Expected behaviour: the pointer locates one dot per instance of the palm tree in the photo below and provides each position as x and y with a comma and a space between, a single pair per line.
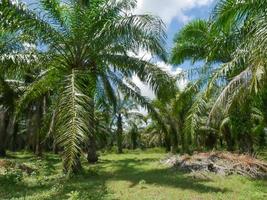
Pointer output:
88, 43
170, 121
13, 52
122, 109
234, 39
249, 57
200, 40
136, 122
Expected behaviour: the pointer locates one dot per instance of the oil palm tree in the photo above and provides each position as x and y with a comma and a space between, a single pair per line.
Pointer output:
200, 40
234, 38
249, 57
123, 108
13, 52
88, 43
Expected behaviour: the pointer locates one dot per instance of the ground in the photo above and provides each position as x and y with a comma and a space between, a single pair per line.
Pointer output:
134, 175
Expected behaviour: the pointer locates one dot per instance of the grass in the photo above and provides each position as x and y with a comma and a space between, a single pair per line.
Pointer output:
135, 175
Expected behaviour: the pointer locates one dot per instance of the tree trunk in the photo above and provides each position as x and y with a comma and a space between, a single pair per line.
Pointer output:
91, 150
13, 131
230, 142
37, 128
55, 148
4, 119
134, 133
14, 137
134, 141
167, 142
119, 133
174, 141
29, 129
211, 140
92, 156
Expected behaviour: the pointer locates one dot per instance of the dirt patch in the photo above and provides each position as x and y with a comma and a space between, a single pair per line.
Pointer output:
223, 163
7, 164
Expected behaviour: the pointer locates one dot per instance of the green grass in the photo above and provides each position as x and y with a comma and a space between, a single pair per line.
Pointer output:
134, 175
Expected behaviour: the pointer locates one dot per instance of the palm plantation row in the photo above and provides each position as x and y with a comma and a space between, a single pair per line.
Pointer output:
67, 68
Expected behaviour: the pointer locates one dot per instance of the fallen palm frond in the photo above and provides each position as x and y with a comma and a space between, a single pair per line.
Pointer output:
223, 163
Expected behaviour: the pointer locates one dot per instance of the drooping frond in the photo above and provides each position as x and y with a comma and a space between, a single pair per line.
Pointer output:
47, 82
193, 118
74, 119
231, 91
159, 81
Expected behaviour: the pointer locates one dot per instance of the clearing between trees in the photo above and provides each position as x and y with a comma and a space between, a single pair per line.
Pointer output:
133, 175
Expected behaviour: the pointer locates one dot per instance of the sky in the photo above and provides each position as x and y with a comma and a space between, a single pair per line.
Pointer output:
175, 14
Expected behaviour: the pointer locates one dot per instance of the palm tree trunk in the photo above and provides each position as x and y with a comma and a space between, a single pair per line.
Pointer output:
174, 141
37, 128
55, 147
119, 133
13, 130
29, 129
14, 137
134, 139
41, 111
92, 156
91, 150
167, 142
230, 142
4, 119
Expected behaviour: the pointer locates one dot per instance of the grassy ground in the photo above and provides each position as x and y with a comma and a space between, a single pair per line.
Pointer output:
133, 175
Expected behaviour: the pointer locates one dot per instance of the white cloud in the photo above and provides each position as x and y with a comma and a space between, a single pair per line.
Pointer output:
145, 89
170, 9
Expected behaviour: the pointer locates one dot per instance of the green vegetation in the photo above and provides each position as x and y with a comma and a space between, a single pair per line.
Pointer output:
133, 175
67, 70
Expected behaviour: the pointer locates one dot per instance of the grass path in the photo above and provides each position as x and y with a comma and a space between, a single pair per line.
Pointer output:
132, 176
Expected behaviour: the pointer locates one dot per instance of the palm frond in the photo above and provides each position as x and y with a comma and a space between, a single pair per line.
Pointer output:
74, 119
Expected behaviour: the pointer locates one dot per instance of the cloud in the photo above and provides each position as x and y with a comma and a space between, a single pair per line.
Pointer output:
145, 89
170, 9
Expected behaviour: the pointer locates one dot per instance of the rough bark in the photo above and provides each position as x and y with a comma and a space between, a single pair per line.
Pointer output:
134, 139
119, 133
167, 142
14, 136
4, 120
37, 129
92, 156
91, 150
174, 142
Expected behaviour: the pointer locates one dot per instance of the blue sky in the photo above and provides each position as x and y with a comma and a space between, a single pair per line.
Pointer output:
175, 14
195, 13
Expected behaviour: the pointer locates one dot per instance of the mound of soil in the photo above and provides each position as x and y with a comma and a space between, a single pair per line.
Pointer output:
223, 163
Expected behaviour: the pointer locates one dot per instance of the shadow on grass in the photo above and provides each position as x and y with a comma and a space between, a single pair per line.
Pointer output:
49, 183
127, 169
59, 188
91, 183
